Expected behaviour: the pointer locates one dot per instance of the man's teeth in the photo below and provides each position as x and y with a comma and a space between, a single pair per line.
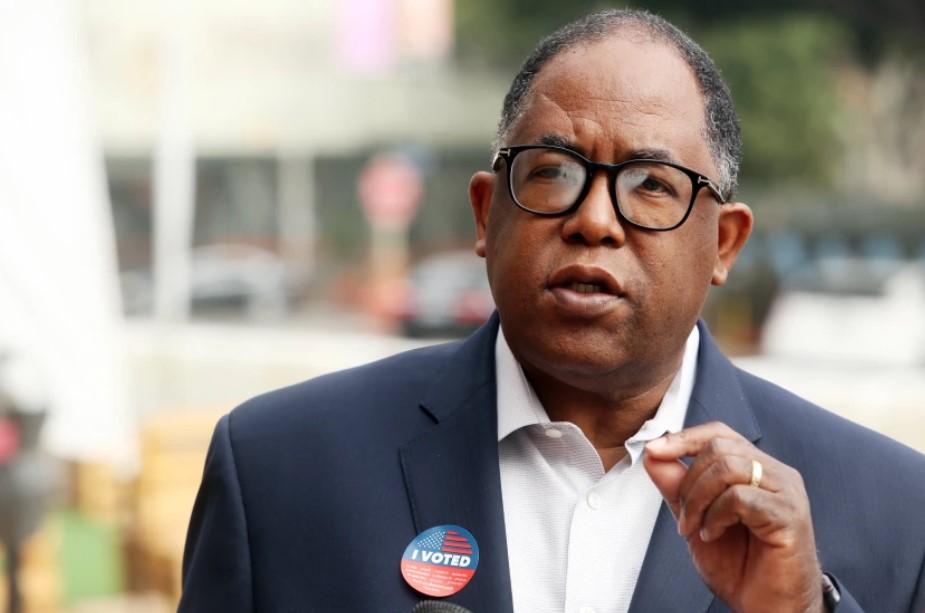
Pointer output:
586, 288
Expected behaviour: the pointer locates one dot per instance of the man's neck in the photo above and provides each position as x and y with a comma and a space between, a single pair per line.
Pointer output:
608, 418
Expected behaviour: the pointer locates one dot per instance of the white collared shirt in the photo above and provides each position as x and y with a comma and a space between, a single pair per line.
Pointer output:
576, 535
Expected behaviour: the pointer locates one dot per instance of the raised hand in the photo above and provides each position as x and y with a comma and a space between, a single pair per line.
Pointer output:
745, 516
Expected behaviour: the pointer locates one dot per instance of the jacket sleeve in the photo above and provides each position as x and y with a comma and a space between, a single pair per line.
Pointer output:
847, 604
216, 558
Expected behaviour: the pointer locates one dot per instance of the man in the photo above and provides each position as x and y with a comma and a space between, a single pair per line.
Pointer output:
606, 217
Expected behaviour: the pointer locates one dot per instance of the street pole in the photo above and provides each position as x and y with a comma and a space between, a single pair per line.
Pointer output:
14, 600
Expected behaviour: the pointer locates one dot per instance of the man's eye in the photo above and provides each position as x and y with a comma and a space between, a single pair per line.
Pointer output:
548, 172
647, 183
554, 173
654, 185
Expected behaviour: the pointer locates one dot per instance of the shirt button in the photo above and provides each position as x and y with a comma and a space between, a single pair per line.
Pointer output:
586, 610
594, 501
553, 433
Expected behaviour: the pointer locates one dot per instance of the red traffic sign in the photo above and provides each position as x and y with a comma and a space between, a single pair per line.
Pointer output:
390, 189
9, 440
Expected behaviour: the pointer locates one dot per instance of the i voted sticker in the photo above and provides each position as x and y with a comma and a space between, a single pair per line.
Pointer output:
440, 561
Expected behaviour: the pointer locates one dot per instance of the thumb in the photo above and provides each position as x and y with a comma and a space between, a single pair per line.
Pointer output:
667, 476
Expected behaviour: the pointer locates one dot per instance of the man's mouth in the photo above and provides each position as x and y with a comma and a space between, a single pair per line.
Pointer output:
585, 280
586, 288
586, 292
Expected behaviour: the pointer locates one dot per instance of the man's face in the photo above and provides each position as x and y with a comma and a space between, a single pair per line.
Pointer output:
614, 100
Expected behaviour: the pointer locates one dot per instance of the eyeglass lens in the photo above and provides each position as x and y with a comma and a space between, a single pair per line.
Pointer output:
650, 194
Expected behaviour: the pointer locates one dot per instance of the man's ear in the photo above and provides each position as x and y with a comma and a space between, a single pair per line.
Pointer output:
481, 188
735, 226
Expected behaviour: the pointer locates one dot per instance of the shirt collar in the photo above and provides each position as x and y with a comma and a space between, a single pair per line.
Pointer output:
519, 407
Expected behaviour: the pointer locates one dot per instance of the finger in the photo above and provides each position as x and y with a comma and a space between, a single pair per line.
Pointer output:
700, 490
690, 441
712, 452
763, 512
667, 477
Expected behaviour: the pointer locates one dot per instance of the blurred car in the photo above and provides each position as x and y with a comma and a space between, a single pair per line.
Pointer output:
850, 309
223, 278
446, 294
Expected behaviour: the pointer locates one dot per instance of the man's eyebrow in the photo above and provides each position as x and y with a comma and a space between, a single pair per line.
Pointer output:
551, 139
656, 155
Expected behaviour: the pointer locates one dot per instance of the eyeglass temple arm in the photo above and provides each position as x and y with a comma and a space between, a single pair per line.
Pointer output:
498, 156
702, 180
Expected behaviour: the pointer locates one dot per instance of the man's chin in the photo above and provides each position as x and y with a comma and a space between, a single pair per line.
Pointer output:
581, 357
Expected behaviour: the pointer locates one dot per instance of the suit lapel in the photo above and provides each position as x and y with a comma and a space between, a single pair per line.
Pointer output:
451, 471
668, 580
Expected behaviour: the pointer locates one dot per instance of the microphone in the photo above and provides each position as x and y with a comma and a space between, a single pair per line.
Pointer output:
438, 606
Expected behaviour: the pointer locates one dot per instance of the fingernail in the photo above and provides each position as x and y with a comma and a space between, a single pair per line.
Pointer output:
704, 535
656, 443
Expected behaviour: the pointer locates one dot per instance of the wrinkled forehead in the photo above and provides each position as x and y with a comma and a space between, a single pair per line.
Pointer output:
626, 83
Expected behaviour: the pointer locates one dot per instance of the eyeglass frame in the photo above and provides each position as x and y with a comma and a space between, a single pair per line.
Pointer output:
698, 181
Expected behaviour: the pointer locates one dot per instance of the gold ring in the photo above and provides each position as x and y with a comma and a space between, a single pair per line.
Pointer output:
757, 471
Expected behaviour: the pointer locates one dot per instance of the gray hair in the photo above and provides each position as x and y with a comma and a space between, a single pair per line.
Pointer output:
721, 122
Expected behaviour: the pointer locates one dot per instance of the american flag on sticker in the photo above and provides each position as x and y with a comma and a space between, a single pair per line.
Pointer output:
441, 560
446, 541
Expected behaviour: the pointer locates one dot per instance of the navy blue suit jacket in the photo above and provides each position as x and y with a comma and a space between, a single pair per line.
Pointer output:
311, 493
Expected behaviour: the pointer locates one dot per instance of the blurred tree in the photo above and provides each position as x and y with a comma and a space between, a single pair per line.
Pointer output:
781, 72
883, 28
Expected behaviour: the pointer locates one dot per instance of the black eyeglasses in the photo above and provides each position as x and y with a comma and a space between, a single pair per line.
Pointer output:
652, 195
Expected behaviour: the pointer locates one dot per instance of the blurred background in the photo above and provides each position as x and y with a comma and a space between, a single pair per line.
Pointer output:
201, 200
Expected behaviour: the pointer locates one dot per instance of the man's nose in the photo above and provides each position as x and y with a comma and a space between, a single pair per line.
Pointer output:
595, 222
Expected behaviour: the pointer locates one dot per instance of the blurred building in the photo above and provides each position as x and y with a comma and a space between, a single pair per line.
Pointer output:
276, 106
